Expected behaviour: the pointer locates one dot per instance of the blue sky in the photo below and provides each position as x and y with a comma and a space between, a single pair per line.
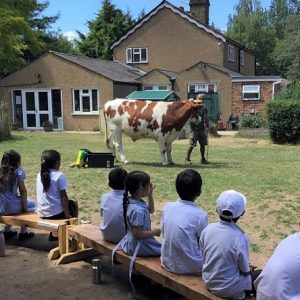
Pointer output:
74, 14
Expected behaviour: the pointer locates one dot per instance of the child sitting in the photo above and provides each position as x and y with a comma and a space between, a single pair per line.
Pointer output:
225, 248
182, 223
279, 279
51, 186
111, 207
12, 180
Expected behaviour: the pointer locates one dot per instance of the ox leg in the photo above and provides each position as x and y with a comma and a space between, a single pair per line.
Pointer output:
169, 153
118, 145
162, 150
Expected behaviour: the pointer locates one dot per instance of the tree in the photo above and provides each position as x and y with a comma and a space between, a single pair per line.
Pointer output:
24, 34
250, 27
16, 34
110, 24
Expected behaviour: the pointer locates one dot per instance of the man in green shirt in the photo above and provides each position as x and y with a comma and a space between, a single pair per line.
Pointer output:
199, 126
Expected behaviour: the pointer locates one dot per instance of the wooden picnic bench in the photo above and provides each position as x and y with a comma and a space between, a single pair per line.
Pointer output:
191, 287
58, 227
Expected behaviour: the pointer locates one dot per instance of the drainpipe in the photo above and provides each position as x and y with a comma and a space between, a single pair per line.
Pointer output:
172, 80
273, 89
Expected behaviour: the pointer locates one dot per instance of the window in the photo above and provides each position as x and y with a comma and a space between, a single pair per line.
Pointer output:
136, 55
230, 53
85, 101
242, 58
201, 87
156, 87
251, 92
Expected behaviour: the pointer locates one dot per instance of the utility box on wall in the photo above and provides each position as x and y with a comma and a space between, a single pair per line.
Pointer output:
100, 160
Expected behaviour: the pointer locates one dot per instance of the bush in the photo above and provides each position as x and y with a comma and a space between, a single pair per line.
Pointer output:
284, 121
253, 121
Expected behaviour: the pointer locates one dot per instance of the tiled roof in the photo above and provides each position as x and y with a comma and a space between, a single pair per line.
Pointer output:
113, 70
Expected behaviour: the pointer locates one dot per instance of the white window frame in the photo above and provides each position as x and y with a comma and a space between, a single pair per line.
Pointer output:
200, 87
242, 57
82, 94
156, 87
251, 89
231, 53
132, 52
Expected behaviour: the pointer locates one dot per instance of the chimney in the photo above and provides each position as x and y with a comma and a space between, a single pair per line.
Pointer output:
200, 10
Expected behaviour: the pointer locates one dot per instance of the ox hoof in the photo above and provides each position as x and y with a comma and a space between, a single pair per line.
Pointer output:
125, 162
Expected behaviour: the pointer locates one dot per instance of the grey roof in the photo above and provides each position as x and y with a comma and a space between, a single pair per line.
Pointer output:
255, 78
224, 70
170, 74
113, 70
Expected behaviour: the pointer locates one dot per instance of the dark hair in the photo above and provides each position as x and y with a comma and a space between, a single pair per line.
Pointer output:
116, 178
188, 184
49, 160
133, 181
11, 160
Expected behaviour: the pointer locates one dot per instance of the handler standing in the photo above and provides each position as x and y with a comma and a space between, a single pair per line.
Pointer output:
200, 126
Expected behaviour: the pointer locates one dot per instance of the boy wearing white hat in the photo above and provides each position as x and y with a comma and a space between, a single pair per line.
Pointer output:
225, 249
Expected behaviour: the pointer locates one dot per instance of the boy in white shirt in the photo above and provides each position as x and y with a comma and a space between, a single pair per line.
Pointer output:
182, 223
225, 248
111, 207
280, 278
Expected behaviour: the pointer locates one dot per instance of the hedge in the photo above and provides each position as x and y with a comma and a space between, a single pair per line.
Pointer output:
284, 121
253, 121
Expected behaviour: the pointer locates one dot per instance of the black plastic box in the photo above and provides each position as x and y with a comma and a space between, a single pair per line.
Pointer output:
100, 160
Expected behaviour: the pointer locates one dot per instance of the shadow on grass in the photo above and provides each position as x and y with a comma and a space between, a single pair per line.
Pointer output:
211, 165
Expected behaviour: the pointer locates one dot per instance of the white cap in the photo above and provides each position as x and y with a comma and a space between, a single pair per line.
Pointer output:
232, 201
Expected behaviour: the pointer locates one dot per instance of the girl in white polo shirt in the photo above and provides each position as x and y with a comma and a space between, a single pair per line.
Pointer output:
51, 190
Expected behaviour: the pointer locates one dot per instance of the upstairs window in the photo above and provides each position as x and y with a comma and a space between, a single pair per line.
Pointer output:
242, 58
85, 101
201, 87
231, 53
251, 92
155, 87
136, 55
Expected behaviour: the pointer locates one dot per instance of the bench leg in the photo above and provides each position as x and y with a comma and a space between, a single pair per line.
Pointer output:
78, 255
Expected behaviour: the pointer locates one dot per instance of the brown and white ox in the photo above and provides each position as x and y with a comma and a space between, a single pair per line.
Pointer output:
161, 121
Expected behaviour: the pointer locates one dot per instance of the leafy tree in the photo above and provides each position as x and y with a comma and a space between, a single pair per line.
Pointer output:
109, 25
250, 27
24, 34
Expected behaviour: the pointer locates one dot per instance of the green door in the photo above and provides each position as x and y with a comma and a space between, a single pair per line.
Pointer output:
212, 104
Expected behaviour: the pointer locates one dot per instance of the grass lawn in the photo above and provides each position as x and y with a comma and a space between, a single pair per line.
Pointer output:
267, 174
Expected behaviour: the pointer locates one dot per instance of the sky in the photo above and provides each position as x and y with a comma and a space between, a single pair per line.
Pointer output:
74, 14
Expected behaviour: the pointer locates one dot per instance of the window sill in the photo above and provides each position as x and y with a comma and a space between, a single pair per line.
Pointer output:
85, 114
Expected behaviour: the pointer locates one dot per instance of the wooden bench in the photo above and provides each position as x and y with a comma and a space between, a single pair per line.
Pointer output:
58, 227
192, 287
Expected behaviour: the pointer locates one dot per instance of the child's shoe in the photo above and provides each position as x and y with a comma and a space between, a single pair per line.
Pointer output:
9, 234
25, 236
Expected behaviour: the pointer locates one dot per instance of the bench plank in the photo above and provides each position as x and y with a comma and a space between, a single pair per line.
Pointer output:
32, 220
192, 287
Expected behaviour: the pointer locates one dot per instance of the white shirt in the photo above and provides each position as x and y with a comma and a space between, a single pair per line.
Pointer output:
50, 203
225, 254
112, 226
182, 223
280, 278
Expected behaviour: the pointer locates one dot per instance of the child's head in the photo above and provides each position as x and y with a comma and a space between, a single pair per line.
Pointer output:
188, 184
136, 179
50, 159
116, 178
231, 205
11, 160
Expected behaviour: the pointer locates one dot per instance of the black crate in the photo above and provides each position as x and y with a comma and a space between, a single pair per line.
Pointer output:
100, 160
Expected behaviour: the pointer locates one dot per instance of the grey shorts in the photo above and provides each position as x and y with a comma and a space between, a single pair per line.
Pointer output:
199, 137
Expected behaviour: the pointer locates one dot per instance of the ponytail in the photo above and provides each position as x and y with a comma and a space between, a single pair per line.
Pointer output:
49, 161
125, 205
11, 160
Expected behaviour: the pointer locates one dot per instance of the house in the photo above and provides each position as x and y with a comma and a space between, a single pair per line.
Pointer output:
179, 51
65, 89
169, 50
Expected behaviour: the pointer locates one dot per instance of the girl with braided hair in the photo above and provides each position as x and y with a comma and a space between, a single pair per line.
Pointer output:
13, 192
51, 190
140, 236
